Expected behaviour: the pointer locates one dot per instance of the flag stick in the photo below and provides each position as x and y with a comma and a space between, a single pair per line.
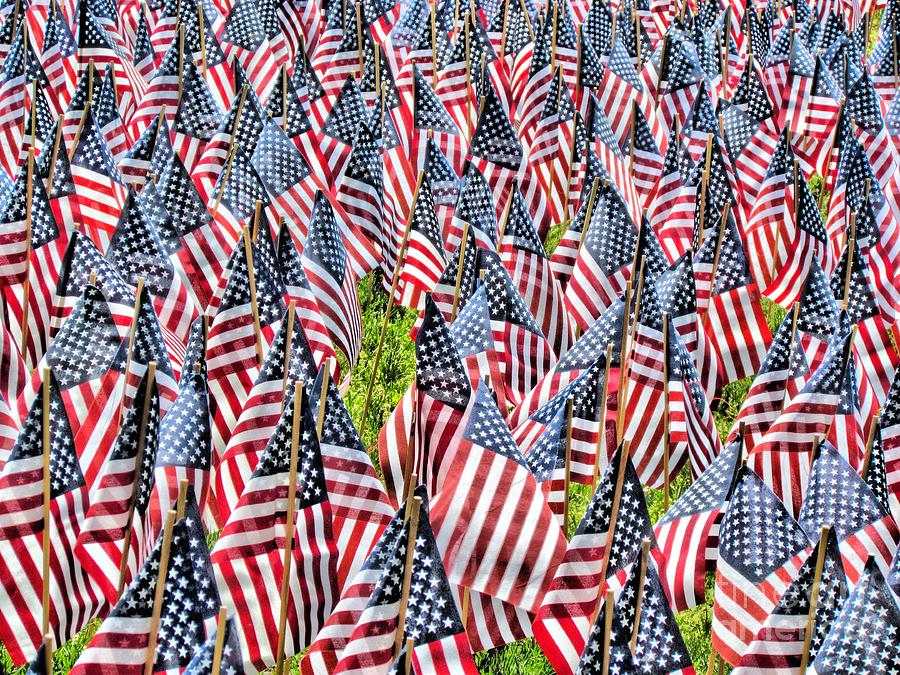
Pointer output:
666, 430
407, 574
150, 657
553, 37
54, 155
138, 462
502, 30
589, 211
288, 343
202, 28
407, 664
796, 314
181, 60
359, 41
613, 517
183, 486
662, 67
626, 359
870, 444
434, 67
48, 653
727, 45
395, 278
711, 669
834, 141
323, 398
601, 426
84, 114
634, 113
460, 267
607, 627
642, 575
221, 627
254, 307
716, 257
45, 427
851, 246
503, 223
132, 330
814, 597
257, 221
570, 406
704, 182
26, 288
623, 351
289, 528
229, 160
787, 136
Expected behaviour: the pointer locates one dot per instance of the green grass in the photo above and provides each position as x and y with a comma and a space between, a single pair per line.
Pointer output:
396, 372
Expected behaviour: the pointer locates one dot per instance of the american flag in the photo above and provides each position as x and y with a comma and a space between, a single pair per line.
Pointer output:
441, 393
323, 655
475, 206
118, 529
644, 636
360, 189
780, 642
528, 264
563, 622
761, 549
858, 634
288, 360
232, 662
671, 207
524, 353
775, 384
360, 505
144, 55
73, 597
21, 67
196, 119
339, 128
98, 183
26, 210
58, 57
163, 90
688, 533
249, 556
327, 265
425, 257
839, 497
432, 619
190, 603
243, 38
510, 557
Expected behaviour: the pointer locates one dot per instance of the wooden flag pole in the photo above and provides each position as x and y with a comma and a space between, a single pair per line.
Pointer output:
132, 330
202, 27
138, 462
634, 114
45, 542
323, 398
289, 528
601, 430
704, 181
787, 136
359, 41
795, 315
613, 517
553, 37
257, 221
870, 445
626, 358
607, 626
413, 511
229, 160
589, 211
716, 257
48, 653
460, 267
662, 67
642, 575
183, 486
570, 406
395, 278
221, 627
150, 657
26, 288
288, 344
503, 223
666, 420
54, 155
407, 664
465, 601
623, 351
434, 67
814, 597
848, 273
254, 307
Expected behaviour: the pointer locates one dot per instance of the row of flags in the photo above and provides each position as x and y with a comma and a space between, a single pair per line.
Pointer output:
190, 195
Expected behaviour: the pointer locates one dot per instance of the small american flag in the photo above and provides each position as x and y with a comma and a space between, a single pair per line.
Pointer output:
859, 633
252, 542
232, 661
780, 642
760, 547
243, 38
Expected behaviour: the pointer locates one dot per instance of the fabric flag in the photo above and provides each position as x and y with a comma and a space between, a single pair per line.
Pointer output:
761, 549
243, 38
780, 642
839, 497
425, 253
118, 523
190, 603
563, 623
73, 598
688, 533
641, 617
480, 527
249, 556
201, 662
432, 619
359, 503
288, 360
858, 634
